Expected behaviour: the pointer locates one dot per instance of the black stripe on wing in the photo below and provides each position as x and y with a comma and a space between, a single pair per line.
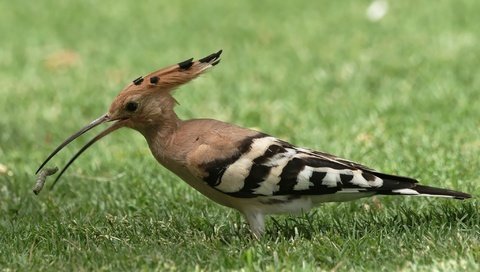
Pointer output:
339, 178
216, 168
260, 170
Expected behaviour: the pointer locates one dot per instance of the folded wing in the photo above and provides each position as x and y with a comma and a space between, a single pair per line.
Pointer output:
267, 166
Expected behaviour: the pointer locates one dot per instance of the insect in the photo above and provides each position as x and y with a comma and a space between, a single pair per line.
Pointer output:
244, 169
41, 177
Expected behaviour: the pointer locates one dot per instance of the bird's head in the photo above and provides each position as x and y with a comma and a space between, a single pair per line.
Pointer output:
145, 102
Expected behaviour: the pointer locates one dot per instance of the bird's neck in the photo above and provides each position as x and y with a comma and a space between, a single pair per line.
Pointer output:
160, 131
159, 136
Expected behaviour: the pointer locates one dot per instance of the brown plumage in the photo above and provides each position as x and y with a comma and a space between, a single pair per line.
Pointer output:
247, 170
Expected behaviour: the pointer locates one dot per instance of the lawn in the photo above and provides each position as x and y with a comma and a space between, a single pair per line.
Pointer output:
400, 94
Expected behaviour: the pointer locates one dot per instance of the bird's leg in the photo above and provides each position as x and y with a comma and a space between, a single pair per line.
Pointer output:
256, 220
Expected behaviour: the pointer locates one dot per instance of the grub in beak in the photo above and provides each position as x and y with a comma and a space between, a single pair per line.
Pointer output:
41, 177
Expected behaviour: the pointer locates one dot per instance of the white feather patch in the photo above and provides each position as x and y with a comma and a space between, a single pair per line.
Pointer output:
269, 185
303, 179
359, 180
233, 179
415, 193
406, 192
281, 159
277, 162
378, 182
331, 178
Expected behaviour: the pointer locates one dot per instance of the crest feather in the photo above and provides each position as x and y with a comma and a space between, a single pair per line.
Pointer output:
171, 77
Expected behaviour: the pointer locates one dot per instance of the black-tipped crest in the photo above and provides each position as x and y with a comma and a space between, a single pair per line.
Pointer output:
186, 64
138, 81
154, 80
211, 57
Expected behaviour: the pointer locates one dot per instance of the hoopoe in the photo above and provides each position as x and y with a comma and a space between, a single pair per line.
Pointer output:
241, 168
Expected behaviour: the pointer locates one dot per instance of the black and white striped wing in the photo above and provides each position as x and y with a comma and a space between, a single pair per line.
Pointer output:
266, 166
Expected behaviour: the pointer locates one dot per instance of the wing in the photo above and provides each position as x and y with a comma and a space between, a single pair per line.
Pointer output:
266, 166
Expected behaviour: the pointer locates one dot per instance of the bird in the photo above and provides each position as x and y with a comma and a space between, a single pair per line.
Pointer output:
241, 168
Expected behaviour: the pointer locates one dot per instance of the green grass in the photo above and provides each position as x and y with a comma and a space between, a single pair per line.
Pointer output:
400, 95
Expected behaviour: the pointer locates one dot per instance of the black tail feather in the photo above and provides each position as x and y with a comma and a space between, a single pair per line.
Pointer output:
400, 185
421, 190
427, 190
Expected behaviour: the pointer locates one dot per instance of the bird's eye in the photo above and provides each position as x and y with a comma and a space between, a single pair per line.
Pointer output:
131, 106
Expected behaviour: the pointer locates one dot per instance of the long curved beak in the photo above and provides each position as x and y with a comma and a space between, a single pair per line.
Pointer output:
102, 119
